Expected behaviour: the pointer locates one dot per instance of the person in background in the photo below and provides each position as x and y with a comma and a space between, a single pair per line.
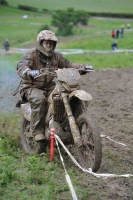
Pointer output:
113, 34
117, 33
122, 31
34, 88
114, 45
6, 45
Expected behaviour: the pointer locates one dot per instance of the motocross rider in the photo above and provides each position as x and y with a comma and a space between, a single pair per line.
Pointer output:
35, 89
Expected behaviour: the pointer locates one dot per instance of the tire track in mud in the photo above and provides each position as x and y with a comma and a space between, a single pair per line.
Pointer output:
112, 109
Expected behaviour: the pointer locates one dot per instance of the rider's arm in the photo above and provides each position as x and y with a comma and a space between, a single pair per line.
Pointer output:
64, 63
24, 65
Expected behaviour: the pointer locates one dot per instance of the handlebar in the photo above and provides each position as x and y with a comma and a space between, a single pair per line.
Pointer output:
45, 71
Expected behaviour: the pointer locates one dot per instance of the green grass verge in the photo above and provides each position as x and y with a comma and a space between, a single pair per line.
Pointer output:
32, 176
103, 61
98, 61
19, 30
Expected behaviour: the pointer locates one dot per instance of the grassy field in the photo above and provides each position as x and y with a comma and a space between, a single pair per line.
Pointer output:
98, 61
113, 6
17, 29
104, 61
33, 177
95, 36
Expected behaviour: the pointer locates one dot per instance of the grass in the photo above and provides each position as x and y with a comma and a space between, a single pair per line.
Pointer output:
99, 42
19, 30
98, 61
96, 35
103, 61
113, 6
33, 176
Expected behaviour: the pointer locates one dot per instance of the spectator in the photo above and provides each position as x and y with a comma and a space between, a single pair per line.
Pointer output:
122, 31
6, 45
114, 45
117, 33
113, 34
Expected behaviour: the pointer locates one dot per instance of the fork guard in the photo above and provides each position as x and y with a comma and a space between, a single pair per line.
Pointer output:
81, 94
26, 110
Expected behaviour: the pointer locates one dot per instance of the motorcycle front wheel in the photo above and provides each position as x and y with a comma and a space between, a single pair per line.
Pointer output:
28, 144
89, 155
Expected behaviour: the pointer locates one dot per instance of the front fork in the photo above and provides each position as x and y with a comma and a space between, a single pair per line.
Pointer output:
73, 126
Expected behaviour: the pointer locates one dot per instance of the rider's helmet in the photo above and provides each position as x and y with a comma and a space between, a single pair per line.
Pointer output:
46, 35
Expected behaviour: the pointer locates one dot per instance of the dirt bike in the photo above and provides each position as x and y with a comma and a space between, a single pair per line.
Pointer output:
67, 113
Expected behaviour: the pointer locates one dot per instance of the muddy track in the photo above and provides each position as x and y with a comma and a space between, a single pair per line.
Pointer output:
112, 108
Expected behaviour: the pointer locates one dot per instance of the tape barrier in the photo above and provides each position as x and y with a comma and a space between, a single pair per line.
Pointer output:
90, 170
109, 138
66, 174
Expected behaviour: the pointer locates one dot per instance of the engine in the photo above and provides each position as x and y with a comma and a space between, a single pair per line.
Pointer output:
58, 108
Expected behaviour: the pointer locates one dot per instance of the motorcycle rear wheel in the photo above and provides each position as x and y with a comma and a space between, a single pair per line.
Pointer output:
90, 153
28, 144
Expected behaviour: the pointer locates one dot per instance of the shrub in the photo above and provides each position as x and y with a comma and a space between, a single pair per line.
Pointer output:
66, 20
3, 3
45, 10
28, 8
44, 27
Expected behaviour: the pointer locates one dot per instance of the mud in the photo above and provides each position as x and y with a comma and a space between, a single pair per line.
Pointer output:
111, 108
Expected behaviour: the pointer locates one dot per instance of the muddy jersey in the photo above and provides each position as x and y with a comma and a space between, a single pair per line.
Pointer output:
34, 60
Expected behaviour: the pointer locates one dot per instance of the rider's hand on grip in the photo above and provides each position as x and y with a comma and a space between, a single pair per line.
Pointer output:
33, 73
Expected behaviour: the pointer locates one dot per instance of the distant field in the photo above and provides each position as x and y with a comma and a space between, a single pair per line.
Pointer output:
96, 35
17, 29
111, 6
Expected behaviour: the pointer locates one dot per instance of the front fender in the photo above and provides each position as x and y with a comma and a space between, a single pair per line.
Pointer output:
81, 94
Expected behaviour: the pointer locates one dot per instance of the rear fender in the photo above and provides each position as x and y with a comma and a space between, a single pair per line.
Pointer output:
81, 94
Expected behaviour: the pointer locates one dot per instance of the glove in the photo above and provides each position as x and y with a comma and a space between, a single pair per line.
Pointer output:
87, 67
33, 73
